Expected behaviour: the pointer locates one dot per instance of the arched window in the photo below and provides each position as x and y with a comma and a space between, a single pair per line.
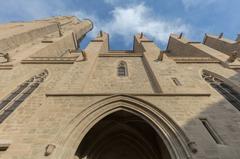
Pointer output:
16, 97
223, 88
122, 69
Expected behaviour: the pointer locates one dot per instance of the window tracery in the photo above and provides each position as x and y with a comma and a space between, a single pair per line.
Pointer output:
223, 88
14, 99
122, 69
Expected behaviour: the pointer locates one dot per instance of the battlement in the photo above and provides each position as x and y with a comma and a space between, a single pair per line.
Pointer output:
222, 44
212, 50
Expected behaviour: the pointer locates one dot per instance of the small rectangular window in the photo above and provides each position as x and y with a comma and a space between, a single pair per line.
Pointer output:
211, 131
176, 81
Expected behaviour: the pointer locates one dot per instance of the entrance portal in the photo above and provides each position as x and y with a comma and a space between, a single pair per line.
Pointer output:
122, 135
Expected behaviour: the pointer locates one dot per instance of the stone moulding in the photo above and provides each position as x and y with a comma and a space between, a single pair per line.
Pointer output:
70, 137
120, 55
6, 67
58, 94
49, 60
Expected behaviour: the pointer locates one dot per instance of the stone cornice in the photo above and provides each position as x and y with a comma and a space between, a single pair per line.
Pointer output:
58, 94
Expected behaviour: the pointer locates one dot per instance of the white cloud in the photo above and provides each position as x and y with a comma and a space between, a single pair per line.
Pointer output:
197, 3
126, 22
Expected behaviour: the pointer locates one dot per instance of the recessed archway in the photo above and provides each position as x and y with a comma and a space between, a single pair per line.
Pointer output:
122, 135
173, 139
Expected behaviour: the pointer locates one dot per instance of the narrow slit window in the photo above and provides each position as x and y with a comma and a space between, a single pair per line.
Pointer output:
176, 81
211, 131
122, 69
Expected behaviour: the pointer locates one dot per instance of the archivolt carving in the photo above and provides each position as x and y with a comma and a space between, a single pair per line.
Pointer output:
174, 138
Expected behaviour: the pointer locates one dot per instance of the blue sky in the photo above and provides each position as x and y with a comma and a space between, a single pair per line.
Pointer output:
124, 18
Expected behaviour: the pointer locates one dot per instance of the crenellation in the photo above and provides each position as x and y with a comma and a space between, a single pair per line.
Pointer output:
184, 48
224, 45
183, 51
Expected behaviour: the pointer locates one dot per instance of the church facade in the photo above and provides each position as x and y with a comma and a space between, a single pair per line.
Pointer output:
60, 102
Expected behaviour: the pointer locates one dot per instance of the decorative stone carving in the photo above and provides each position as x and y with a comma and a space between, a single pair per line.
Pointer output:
49, 149
193, 147
4, 57
233, 57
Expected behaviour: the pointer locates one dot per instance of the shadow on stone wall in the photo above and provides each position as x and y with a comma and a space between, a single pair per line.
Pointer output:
224, 121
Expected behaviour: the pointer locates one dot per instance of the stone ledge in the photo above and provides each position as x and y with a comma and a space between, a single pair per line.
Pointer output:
47, 62
4, 144
120, 55
131, 94
189, 61
6, 67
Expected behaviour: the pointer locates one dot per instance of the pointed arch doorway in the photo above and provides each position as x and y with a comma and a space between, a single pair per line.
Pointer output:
122, 135
119, 127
